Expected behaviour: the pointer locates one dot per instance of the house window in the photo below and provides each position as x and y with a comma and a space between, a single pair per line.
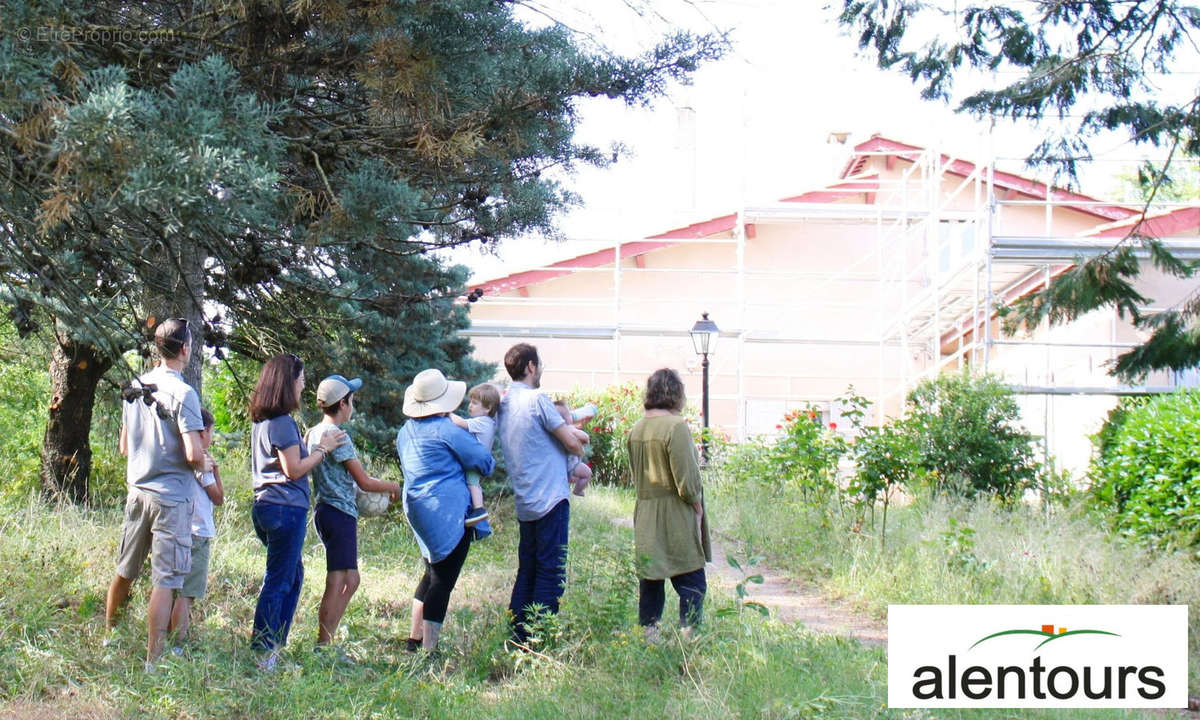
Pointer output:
955, 242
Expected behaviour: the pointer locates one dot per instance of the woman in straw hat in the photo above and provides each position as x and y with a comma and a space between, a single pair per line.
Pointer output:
434, 454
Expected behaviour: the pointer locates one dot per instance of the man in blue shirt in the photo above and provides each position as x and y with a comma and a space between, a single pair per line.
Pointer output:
536, 442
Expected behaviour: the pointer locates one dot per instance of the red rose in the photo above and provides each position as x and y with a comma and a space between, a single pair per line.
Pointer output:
833, 426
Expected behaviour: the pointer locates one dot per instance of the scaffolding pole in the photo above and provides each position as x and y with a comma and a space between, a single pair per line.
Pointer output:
935, 298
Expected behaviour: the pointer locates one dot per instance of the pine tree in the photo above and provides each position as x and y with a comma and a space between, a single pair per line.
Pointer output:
1088, 67
285, 167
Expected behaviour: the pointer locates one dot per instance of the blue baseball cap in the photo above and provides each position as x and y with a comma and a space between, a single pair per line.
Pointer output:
334, 388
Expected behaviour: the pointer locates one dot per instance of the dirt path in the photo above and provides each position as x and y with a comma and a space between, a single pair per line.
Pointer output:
789, 600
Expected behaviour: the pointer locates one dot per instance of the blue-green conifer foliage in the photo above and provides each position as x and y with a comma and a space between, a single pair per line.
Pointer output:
285, 173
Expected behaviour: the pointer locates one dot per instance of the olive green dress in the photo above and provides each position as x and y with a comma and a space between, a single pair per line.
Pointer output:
666, 473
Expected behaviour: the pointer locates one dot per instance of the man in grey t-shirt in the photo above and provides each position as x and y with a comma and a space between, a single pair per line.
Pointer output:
160, 436
536, 442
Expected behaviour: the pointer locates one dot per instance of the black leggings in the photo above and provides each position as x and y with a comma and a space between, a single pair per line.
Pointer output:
691, 587
439, 579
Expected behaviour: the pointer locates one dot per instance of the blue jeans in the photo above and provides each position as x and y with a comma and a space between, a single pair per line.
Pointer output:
541, 565
691, 587
281, 528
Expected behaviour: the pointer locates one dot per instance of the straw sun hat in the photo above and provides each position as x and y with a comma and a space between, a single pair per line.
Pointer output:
431, 393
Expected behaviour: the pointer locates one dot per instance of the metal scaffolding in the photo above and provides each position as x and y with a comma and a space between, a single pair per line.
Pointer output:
932, 279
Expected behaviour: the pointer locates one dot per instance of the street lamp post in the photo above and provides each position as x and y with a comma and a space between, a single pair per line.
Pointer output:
704, 338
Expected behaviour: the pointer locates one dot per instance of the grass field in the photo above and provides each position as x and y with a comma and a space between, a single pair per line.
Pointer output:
590, 662
947, 551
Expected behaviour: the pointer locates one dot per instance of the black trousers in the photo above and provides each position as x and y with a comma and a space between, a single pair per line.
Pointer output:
439, 579
691, 587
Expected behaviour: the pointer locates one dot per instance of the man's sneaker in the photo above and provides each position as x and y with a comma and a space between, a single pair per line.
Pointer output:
412, 645
482, 529
476, 516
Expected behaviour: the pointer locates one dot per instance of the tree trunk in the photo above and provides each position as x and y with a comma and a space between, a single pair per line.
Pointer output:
177, 290
75, 370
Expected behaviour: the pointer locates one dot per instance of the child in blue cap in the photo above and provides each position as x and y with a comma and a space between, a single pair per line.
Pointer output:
336, 513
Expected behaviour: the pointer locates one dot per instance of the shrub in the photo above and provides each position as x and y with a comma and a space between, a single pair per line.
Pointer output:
807, 454
106, 485
749, 462
1110, 432
619, 407
25, 387
885, 460
805, 457
1147, 473
227, 387
968, 437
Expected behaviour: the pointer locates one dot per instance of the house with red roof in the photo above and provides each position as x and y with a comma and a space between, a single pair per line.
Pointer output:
891, 273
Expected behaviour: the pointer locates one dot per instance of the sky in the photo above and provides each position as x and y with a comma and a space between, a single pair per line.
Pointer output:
751, 128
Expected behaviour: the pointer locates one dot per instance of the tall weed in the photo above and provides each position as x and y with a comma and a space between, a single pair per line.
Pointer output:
949, 550
54, 661
25, 387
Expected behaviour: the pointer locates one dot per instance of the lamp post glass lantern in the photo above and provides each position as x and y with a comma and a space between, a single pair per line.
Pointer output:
704, 339
704, 336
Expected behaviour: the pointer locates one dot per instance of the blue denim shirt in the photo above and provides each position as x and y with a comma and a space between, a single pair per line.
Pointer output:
434, 454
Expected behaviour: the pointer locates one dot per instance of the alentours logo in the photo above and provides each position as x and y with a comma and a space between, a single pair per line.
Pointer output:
1114, 656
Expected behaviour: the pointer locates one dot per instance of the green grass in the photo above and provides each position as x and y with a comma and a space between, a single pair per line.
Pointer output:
942, 551
591, 661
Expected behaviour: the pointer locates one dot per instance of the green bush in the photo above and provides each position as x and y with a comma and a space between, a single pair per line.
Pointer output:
619, 407
885, 459
25, 387
803, 458
227, 387
1146, 476
968, 438
749, 463
1110, 432
807, 454
106, 484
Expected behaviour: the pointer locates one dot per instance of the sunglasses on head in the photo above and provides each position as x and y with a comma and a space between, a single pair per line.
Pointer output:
297, 363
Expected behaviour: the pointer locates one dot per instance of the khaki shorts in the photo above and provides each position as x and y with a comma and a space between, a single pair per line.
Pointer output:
196, 582
160, 529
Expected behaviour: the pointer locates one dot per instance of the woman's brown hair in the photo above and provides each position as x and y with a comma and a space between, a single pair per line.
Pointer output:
275, 394
664, 391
